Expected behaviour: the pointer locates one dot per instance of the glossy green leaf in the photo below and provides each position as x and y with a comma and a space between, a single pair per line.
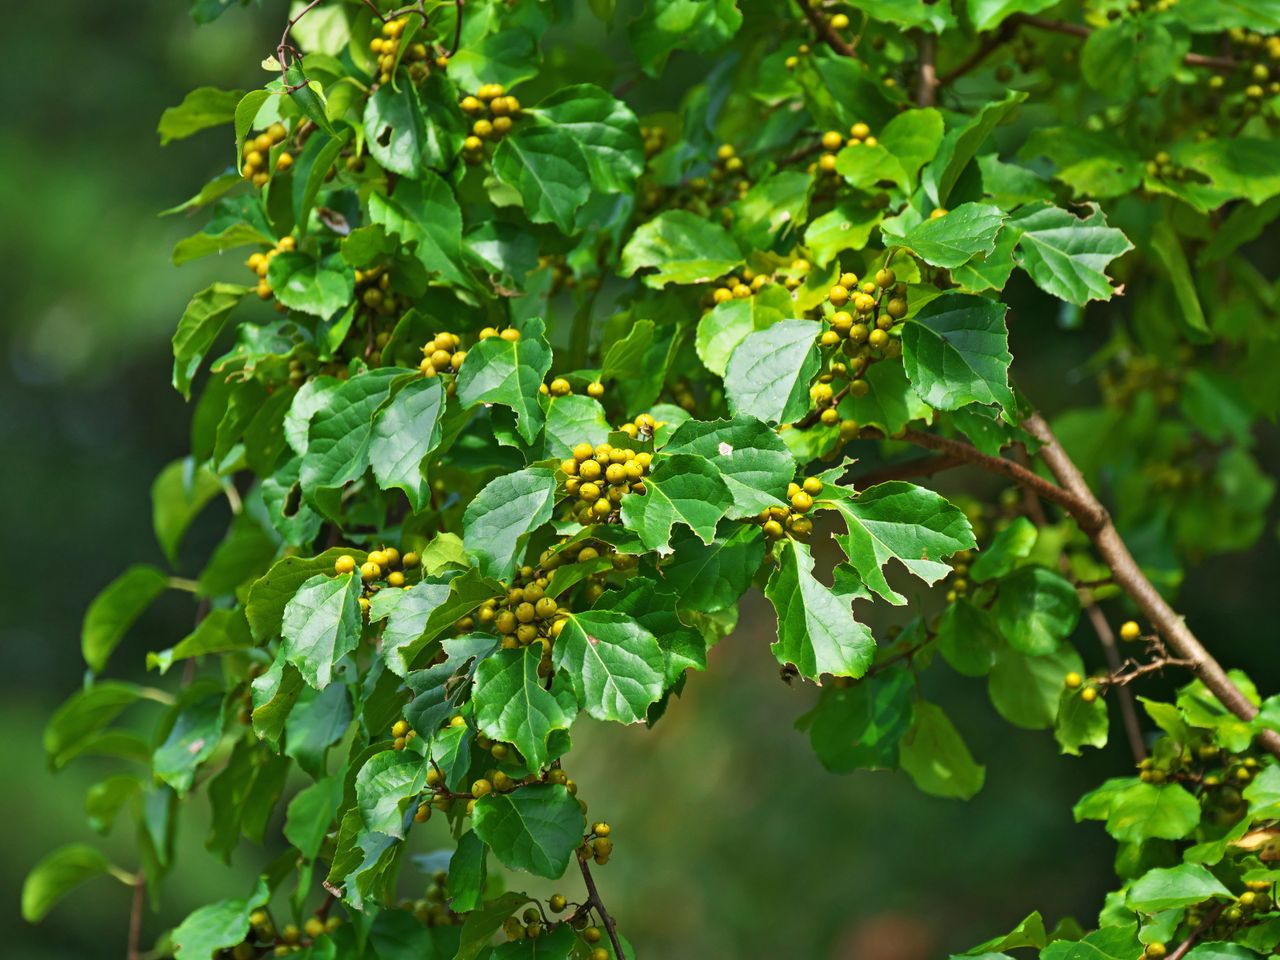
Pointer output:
115, 609
859, 727
679, 247
386, 786
534, 829
1180, 886
200, 109
1036, 610
218, 926
606, 130
199, 327
753, 461
498, 522
712, 576
179, 493
511, 705
321, 625
57, 874
1066, 255
768, 373
498, 370
956, 351
548, 168
948, 241
614, 665
405, 432
318, 287
425, 215
817, 632
682, 488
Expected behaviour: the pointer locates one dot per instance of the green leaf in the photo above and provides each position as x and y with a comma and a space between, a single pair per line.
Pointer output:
988, 14
771, 208
511, 705
573, 420
654, 608
1093, 164
753, 461
467, 873
846, 226
200, 109
890, 402
859, 727
681, 489
339, 437
1080, 723
115, 609
310, 815
937, 759
425, 611
178, 495
1036, 609
967, 638
549, 170
321, 625
902, 521
680, 247
1132, 55
218, 926
1066, 255
962, 144
396, 126
614, 664
768, 373
498, 522
271, 593
73, 725
948, 241
405, 431
425, 215
666, 25
1026, 690
498, 370
1029, 933
956, 351
1015, 542
605, 129
1181, 886
1147, 811
193, 738
318, 287
535, 829
57, 874
817, 632
726, 325
199, 327
205, 243
713, 576
1241, 166
479, 926
386, 785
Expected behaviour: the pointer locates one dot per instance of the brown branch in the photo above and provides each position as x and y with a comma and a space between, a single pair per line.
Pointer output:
593, 897
286, 47
927, 80
1089, 514
1128, 713
988, 46
1129, 576
1131, 670
1080, 30
822, 26
908, 469
134, 951
1209, 920
457, 30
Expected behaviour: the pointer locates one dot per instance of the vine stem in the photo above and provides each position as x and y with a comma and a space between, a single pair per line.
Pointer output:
134, 951
1080, 30
593, 897
822, 26
1209, 919
927, 81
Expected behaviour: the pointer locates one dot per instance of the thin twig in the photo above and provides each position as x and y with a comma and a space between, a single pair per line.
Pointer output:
985, 49
286, 47
927, 78
822, 26
1131, 670
134, 951
457, 30
1080, 30
1128, 713
1209, 919
1129, 576
593, 896
908, 470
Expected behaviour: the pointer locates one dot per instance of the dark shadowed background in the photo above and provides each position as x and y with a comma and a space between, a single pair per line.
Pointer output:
731, 839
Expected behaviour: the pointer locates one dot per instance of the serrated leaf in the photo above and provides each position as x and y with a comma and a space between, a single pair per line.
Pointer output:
904, 522
890, 402
548, 169
321, 625
405, 432
614, 664
1065, 255
318, 287
1146, 811
386, 785
966, 232
817, 632
605, 129
768, 373
681, 489
535, 829
511, 705
727, 324
498, 522
955, 351
711, 577
682, 248
498, 370
753, 461
425, 215
573, 420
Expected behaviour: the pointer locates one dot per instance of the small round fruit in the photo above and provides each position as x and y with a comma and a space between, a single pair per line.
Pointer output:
344, 564
1129, 630
370, 571
1089, 694
1072, 680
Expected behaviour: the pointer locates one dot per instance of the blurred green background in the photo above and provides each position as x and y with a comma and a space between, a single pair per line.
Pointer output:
731, 840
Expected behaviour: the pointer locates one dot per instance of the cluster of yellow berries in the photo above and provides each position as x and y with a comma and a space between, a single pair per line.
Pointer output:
401, 734
257, 152
560, 387
373, 291
1073, 681
778, 522
495, 113
598, 844
599, 477
384, 567
441, 354
387, 49
833, 140
655, 138
793, 61
729, 167
738, 286
526, 615
431, 909
957, 582
259, 262
510, 334
864, 335
288, 939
